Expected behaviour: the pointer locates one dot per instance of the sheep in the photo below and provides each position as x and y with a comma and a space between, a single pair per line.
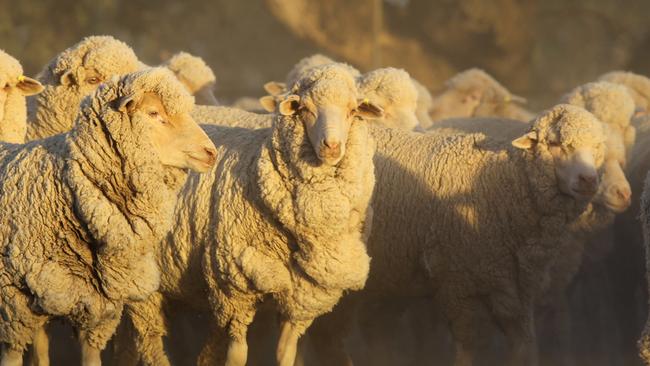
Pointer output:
72, 75
474, 93
82, 209
644, 211
229, 116
14, 87
282, 216
639, 87
393, 90
195, 75
447, 246
424, 104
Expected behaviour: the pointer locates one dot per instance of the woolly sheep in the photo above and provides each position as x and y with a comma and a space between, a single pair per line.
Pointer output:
638, 85
447, 244
195, 75
394, 91
474, 93
82, 209
72, 75
229, 116
281, 215
424, 104
644, 211
14, 87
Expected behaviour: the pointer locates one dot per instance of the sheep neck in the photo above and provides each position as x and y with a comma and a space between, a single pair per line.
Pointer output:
13, 124
318, 204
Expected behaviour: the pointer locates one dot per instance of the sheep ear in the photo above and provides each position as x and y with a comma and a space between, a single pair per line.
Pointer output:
275, 87
289, 106
517, 99
29, 86
367, 109
125, 103
268, 103
525, 142
472, 96
67, 78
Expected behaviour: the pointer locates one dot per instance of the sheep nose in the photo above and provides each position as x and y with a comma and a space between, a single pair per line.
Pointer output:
588, 180
624, 194
211, 153
331, 144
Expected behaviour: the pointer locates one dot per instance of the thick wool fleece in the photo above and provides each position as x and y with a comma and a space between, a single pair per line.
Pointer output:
309, 62
191, 70
229, 116
485, 229
270, 219
81, 213
496, 100
424, 104
394, 91
13, 115
54, 110
638, 85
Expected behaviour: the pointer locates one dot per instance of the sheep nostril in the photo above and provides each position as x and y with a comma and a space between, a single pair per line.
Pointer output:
588, 179
623, 194
331, 144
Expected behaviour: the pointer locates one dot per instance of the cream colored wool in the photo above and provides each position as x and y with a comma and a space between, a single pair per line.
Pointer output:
639, 86
309, 62
195, 74
486, 96
81, 213
444, 235
424, 104
270, 220
13, 112
72, 75
229, 116
394, 91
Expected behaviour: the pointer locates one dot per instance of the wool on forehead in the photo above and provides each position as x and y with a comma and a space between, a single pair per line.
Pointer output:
10, 69
331, 83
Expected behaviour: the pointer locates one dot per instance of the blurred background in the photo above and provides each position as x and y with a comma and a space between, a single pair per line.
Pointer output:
537, 48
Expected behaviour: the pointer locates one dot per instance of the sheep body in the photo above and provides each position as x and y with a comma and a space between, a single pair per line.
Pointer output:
196, 76
72, 75
82, 210
229, 116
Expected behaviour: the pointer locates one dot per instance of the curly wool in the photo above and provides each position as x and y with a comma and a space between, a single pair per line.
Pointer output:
54, 110
82, 210
270, 219
191, 70
394, 91
13, 123
310, 62
229, 116
638, 85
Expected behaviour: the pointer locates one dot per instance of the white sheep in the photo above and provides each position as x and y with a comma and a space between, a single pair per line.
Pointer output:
14, 87
286, 222
474, 93
229, 116
440, 231
424, 104
196, 75
638, 85
72, 75
82, 210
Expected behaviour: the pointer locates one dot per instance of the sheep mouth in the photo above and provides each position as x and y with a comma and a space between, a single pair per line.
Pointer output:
616, 207
201, 164
583, 193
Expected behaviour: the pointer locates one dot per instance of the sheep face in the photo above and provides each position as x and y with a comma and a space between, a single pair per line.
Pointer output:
401, 116
328, 124
177, 139
16, 87
572, 140
614, 192
455, 103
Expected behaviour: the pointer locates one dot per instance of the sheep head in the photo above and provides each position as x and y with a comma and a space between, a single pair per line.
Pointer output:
326, 101
572, 140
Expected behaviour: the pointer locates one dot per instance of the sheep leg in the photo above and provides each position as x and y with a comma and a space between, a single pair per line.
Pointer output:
520, 333
213, 349
237, 352
462, 315
11, 357
148, 321
326, 338
90, 356
41, 348
288, 344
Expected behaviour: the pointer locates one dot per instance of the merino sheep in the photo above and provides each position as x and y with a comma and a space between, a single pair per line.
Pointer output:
281, 216
82, 209
196, 75
448, 244
424, 104
393, 90
14, 87
229, 116
474, 93
638, 85
72, 75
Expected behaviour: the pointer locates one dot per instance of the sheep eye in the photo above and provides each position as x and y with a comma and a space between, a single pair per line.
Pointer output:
92, 80
154, 114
